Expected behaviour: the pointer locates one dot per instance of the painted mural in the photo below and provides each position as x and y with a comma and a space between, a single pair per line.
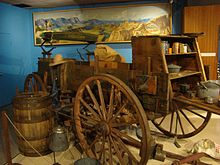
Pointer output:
103, 24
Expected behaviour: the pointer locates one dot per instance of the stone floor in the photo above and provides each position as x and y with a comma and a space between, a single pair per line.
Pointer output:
211, 131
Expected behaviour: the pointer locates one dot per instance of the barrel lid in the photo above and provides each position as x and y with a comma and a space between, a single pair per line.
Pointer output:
31, 95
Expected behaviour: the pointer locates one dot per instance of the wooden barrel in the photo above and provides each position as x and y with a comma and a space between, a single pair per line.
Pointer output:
34, 120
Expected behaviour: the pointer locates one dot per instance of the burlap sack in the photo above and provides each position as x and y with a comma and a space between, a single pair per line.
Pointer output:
106, 53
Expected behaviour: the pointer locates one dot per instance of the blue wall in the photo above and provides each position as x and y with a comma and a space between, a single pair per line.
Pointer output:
15, 48
19, 56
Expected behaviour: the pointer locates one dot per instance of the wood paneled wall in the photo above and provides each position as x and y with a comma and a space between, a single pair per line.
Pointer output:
205, 19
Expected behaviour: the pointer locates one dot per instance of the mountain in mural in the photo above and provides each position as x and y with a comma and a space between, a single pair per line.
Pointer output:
57, 23
105, 30
63, 22
126, 30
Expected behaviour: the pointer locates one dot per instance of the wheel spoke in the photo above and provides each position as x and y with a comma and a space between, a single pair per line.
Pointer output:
88, 119
171, 121
87, 126
180, 122
118, 95
118, 153
102, 151
86, 130
162, 120
124, 147
119, 111
97, 138
115, 125
30, 84
90, 109
94, 101
188, 119
176, 125
195, 113
35, 85
126, 138
110, 151
103, 109
111, 108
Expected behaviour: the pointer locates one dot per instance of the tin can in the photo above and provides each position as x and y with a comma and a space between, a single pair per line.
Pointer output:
176, 47
185, 49
181, 49
170, 50
163, 47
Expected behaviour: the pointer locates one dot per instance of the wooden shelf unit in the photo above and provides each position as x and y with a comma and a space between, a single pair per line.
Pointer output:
181, 54
150, 50
182, 74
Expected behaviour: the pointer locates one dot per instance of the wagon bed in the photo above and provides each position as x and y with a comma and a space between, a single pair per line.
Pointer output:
111, 97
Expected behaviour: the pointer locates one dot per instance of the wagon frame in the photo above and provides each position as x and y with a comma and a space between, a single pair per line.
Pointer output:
110, 97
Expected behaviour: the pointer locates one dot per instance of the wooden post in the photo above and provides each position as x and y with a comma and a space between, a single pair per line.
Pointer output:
148, 65
96, 64
45, 78
6, 137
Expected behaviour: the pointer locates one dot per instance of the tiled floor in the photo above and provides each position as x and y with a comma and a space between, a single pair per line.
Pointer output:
68, 157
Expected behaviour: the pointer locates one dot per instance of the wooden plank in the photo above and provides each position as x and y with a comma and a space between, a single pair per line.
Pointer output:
181, 54
199, 60
159, 102
213, 108
105, 64
182, 74
143, 48
204, 19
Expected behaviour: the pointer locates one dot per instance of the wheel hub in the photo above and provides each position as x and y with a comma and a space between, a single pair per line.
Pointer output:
103, 128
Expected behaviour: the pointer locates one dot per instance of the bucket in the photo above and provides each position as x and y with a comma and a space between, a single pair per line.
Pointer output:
87, 161
34, 120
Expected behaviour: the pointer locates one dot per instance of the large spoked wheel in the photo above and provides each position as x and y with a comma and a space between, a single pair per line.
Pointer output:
184, 121
105, 112
34, 83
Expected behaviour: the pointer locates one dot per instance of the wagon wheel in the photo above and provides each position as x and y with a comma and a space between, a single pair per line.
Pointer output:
105, 108
34, 83
184, 121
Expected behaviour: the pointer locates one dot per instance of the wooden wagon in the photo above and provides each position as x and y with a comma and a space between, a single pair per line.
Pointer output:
113, 101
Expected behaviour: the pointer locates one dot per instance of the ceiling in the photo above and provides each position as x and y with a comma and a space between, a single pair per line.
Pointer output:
61, 3
57, 3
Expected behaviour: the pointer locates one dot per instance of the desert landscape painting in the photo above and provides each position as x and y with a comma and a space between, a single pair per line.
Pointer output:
103, 24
